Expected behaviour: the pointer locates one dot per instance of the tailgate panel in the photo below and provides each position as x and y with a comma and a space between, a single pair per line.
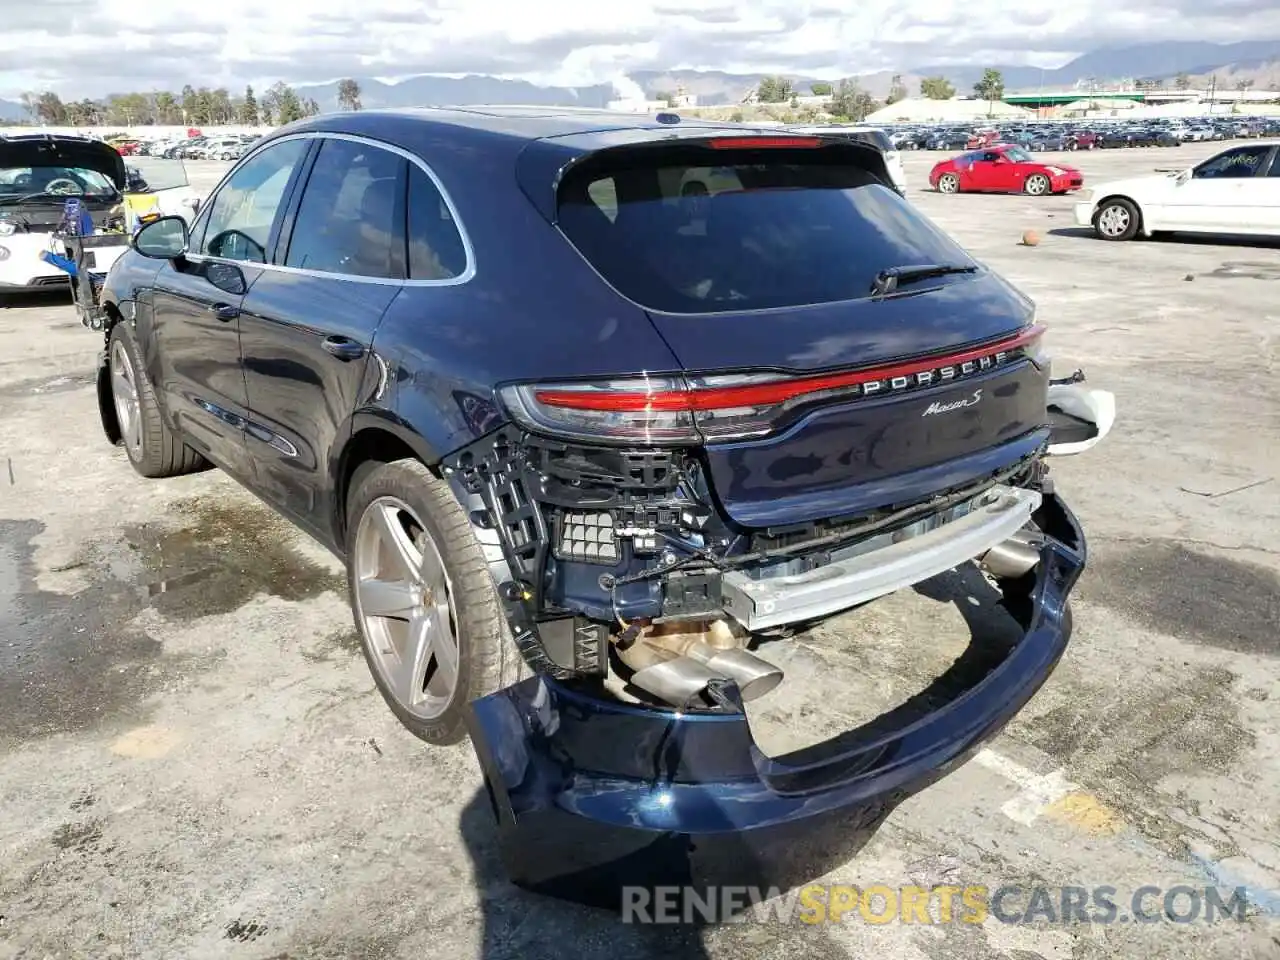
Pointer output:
873, 453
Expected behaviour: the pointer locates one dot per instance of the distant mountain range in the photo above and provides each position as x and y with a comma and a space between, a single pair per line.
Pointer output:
1256, 60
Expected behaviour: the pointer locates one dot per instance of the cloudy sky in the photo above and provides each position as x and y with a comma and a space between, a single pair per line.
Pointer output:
93, 47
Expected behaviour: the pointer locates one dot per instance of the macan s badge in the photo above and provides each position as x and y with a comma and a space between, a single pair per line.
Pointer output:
937, 407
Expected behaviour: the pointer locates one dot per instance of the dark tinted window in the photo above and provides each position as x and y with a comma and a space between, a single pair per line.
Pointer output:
436, 251
349, 218
1275, 165
1241, 162
790, 230
239, 223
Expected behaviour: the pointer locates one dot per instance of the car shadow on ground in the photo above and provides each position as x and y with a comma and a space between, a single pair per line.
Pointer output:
1189, 239
521, 923
52, 297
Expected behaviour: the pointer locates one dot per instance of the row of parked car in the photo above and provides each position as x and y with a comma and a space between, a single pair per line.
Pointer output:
1090, 135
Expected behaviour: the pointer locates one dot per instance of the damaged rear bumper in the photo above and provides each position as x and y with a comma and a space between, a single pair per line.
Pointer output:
590, 793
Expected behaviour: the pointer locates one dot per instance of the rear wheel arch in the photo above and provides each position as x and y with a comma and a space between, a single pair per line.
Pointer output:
375, 439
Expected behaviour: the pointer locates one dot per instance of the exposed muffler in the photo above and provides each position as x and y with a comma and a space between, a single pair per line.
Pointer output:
677, 662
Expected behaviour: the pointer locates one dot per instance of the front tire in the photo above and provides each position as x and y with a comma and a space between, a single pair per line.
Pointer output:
430, 625
1037, 185
1117, 219
948, 183
154, 450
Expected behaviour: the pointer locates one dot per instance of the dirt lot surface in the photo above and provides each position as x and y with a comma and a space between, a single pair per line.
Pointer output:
194, 762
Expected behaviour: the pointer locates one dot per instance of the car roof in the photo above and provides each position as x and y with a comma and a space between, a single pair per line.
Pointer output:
516, 122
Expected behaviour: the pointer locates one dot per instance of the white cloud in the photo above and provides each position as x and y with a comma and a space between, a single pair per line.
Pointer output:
91, 47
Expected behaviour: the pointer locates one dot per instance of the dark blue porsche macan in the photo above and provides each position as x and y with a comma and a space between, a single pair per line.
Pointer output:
595, 408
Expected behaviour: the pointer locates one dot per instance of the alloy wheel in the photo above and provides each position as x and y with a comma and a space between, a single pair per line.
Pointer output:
124, 391
948, 183
1037, 185
1113, 221
404, 604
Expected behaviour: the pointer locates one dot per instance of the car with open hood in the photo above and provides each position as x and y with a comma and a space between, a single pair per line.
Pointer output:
1003, 168
1236, 191
589, 439
51, 185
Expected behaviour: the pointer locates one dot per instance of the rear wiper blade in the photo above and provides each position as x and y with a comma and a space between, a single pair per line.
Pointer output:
889, 279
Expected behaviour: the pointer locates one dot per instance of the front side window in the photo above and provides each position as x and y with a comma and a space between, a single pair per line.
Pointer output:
1275, 164
240, 218
1241, 162
1018, 155
351, 211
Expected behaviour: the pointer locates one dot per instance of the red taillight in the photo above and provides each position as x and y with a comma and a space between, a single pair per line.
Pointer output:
691, 409
763, 143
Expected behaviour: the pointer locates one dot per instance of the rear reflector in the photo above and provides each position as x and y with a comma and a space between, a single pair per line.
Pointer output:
763, 143
692, 409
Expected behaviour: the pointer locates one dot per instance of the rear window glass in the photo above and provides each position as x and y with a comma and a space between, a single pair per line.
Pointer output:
745, 234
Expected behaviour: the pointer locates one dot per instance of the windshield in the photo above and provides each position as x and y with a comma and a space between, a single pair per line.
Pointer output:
1018, 155
745, 234
55, 181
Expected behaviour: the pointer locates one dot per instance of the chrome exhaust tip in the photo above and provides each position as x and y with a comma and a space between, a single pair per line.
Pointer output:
1011, 559
755, 677
678, 681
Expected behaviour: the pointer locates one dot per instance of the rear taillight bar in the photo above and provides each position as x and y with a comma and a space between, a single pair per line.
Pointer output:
763, 143
692, 409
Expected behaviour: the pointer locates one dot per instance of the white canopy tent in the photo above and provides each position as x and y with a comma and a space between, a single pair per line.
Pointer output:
919, 110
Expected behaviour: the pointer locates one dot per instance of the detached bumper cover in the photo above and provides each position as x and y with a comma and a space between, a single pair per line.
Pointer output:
585, 789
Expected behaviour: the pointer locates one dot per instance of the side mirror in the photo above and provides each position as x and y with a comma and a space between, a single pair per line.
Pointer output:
1184, 176
163, 239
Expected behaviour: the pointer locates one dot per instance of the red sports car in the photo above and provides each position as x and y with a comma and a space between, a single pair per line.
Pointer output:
1005, 168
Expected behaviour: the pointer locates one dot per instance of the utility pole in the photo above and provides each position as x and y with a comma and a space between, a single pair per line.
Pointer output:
1213, 90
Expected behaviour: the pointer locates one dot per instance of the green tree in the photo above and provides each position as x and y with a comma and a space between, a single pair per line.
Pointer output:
774, 90
281, 103
310, 107
349, 94
937, 88
249, 108
31, 105
820, 89
1182, 81
50, 109
990, 88
851, 101
666, 96
167, 108
897, 89
188, 104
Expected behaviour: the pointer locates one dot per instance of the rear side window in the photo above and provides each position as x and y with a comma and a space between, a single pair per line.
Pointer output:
350, 218
436, 250
759, 229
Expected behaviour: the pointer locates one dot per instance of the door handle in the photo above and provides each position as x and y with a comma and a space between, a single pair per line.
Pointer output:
224, 311
343, 348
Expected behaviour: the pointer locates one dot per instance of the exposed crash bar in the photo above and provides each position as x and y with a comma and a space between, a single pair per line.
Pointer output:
759, 604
